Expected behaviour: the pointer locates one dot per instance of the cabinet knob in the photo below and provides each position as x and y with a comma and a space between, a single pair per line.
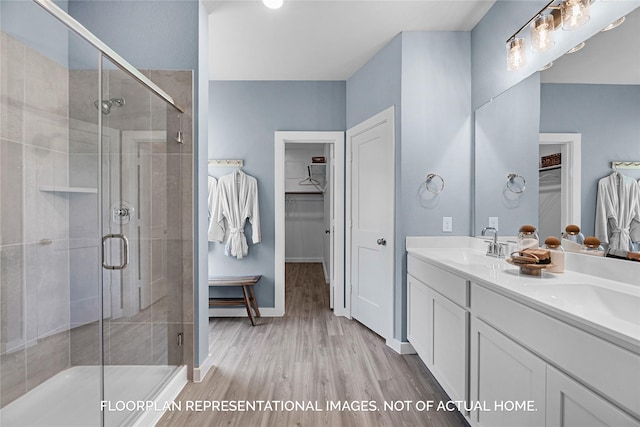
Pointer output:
381, 242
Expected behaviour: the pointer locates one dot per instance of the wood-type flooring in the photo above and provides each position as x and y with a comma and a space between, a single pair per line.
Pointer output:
335, 369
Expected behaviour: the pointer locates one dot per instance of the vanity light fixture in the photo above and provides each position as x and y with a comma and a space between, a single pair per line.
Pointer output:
568, 14
542, 32
516, 56
575, 13
614, 24
273, 4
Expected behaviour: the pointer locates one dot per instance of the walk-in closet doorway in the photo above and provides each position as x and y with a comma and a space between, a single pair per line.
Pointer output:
309, 189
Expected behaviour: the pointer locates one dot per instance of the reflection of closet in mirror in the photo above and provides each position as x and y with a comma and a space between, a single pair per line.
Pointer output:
306, 202
559, 184
596, 92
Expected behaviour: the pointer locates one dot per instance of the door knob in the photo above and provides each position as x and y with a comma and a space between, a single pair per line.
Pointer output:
327, 231
381, 242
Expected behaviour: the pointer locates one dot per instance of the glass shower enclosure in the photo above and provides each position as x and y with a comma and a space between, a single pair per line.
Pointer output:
92, 221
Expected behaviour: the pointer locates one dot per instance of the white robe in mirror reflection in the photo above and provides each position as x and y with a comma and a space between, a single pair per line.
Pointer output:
618, 211
237, 202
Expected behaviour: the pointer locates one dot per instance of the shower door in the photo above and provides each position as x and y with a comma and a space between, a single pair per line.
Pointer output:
142, 259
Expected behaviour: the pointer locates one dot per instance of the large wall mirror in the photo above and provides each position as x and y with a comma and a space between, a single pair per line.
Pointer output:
588, 100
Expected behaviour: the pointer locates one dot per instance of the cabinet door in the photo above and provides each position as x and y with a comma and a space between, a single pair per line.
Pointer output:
504, 374
449, 336
569, 404
418, 316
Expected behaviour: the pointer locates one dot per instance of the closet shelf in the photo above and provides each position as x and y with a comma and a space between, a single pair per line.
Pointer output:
304, 192
60, 189
550, 168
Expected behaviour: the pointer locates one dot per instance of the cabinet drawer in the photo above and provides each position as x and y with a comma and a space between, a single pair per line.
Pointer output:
612, 370
448, 284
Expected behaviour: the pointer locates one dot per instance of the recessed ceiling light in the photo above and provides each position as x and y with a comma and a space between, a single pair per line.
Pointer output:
614, 24
576, 47
546, 67
273, 4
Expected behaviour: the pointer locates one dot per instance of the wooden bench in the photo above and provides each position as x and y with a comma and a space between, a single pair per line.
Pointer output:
248, 299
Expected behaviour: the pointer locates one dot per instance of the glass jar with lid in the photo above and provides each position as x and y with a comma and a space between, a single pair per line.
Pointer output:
591, 246
557, 254
572, 238
527, 237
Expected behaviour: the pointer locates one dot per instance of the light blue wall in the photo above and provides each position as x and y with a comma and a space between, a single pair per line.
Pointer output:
488, 52
608, 117
436, 138
376, 86
32, 25
154, 35
427, 76
506, 141
243, 117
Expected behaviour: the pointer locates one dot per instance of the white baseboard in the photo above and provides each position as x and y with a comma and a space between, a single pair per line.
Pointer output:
301, 260
167, 395
401, 347
242, 312
201, 371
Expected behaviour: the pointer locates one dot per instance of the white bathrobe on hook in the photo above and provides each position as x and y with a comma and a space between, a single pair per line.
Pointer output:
618, 211
212, 198
237, 201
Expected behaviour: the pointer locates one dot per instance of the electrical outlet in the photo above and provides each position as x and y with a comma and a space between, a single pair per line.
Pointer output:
493, 222
447, 224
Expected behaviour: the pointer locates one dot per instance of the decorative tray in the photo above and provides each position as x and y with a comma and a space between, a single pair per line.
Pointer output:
530, 269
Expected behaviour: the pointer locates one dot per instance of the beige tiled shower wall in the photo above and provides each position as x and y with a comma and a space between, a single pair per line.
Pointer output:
49, 247
34, 225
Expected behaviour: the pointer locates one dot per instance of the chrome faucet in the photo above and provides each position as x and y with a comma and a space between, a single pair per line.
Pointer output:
494, 249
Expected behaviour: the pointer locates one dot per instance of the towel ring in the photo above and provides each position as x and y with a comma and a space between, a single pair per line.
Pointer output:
430, 178
511, 178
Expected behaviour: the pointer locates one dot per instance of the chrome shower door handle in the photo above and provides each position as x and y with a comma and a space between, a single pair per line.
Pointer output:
381, 242
125, 251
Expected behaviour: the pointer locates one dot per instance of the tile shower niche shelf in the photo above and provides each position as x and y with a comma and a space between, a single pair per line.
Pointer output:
56, 189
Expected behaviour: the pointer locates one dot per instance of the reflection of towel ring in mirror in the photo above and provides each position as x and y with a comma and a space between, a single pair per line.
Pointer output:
430, 178
514, 178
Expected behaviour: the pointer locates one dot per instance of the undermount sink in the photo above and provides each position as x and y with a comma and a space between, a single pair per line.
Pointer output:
465, 256
579, 298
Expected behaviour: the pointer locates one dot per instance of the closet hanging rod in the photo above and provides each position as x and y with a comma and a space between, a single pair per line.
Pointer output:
226, 163
625, 165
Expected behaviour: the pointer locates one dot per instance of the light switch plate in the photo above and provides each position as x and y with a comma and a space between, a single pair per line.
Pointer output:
447, 224
493, 222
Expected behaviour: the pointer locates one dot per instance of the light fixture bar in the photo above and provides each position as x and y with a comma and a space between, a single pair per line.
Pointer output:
548, 6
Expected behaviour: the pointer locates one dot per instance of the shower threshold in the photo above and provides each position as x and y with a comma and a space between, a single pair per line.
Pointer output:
72, 397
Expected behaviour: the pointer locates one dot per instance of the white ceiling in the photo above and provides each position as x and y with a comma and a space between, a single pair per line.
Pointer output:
320, 39
612, 57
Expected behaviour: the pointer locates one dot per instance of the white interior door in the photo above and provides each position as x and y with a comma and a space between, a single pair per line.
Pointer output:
331, 225
371, 146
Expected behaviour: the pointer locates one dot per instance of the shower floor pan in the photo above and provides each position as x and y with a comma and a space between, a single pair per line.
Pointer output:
72, 397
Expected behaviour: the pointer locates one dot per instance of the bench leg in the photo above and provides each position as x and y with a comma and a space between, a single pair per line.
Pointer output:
247, 304
253, 300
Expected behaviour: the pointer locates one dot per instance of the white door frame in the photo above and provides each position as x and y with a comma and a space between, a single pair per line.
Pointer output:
571, 174
389, 116
281, 138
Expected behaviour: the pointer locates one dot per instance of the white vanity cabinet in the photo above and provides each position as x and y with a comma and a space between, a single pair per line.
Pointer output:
520, 354
570, 404
511, 357
438, 324
502, 373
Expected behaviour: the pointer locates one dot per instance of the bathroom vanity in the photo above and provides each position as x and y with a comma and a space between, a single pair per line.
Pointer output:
558, 350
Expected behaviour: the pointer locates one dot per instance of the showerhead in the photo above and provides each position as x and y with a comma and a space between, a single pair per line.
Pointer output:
106, 104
